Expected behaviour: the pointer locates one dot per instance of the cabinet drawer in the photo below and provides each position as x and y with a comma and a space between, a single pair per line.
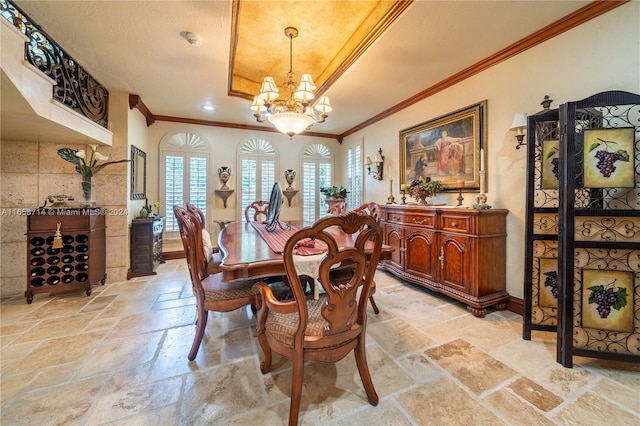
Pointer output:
414, 219
68, 222
456, 223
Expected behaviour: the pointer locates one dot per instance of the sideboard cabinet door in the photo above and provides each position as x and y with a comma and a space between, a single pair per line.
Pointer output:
458, 252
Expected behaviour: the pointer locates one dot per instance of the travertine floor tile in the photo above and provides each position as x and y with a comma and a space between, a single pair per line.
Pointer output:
592, 409
119, 357
443, 402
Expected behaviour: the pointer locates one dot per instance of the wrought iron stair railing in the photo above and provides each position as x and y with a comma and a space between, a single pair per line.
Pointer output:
75, 87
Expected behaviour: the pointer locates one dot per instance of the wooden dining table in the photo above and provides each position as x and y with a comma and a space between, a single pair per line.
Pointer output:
246, 255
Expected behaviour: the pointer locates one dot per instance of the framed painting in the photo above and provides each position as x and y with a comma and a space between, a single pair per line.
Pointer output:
607, 300
550, 150
450, 148
609, 158
548, 282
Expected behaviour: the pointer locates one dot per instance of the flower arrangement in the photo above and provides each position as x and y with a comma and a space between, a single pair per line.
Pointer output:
422, 188
335, 191
86, 166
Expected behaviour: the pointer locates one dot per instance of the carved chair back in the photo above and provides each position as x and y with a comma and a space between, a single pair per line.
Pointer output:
372, 209
338, 207
256, 210
327, 329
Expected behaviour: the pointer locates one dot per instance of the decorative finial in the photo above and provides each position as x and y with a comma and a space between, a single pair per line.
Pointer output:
546, 102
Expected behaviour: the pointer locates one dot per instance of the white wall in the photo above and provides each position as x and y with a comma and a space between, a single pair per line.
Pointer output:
601, 55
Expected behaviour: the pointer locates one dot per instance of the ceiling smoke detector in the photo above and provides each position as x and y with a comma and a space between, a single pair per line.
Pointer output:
193, 38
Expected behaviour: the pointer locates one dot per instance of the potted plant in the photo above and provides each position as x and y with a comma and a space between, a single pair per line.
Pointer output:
334, 195
334, 192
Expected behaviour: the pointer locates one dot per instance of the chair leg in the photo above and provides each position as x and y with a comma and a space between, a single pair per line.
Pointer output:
201, 324
373, 302
363, 369
296, 389
373, 305
265, 365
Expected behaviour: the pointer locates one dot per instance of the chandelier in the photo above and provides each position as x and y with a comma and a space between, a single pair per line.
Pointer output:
293, 114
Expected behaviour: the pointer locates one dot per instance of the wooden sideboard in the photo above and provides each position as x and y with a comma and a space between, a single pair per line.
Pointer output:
75, 259
146, 245
457, 252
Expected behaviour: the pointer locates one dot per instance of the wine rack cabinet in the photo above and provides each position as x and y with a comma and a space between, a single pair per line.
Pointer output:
75, 261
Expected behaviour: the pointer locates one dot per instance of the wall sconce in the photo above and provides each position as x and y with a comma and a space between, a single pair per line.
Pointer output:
519, 124
379, 162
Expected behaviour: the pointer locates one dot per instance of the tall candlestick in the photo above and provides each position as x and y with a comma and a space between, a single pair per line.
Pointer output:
390, 198
483, 181
481, 159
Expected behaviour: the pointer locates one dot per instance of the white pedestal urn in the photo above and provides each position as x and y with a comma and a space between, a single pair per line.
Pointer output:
224, 173
289, 175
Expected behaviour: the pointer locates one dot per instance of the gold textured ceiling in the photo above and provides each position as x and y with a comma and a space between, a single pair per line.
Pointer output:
332, 35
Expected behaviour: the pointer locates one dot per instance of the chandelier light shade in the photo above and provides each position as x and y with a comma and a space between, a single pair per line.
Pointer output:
294, 114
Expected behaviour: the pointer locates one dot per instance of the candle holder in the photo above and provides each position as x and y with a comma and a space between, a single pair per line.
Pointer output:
459, 185
404, 198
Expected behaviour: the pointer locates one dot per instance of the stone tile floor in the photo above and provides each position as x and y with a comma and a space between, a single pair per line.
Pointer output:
119, 357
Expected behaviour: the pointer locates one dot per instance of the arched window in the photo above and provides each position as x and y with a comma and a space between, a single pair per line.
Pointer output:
258, 164
317, 172
184, 167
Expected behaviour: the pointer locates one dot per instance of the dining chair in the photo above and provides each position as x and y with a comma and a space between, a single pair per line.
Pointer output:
255, 210
338, 207
329, 328
212, 257
210, 292
372, 209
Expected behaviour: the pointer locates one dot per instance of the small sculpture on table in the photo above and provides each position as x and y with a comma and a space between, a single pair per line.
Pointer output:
481, 203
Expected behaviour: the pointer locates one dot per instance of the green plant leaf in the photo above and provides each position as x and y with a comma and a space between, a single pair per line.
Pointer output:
551, 154
69, 155
594, 146
624, 155
622, 299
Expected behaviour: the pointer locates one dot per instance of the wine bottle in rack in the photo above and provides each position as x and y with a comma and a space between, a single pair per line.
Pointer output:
50, 240
67, 249
82, 267
37, 241
53, 280
67, 258
51, 251
82, 257
82, 277
36, 272
37, 282
53, 260
82, 238
82, 248
53, 270
67, 279
67, 269
37, 261
67, 239
38, 251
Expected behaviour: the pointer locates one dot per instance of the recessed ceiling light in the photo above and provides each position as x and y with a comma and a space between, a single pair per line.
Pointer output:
208, 107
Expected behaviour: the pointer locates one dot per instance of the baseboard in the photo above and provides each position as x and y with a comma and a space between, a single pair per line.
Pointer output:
515, 305
169, 255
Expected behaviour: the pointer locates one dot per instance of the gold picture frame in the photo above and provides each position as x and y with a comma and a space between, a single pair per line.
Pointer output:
450, 148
